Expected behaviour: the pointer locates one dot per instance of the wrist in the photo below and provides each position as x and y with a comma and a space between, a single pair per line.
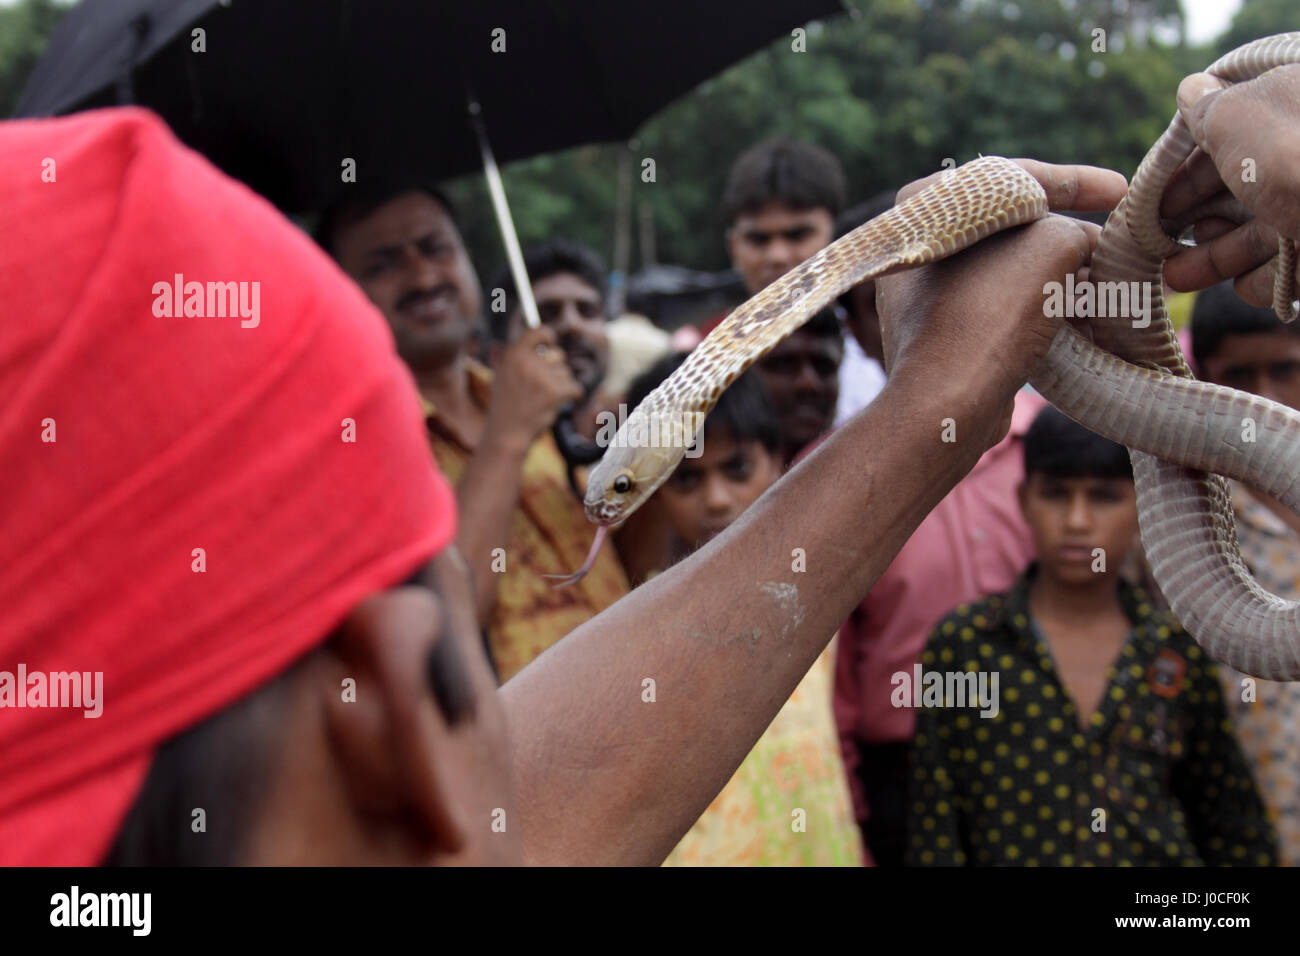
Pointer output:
507, 440
967, 413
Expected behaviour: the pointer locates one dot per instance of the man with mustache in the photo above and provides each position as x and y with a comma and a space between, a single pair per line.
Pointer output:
489, 429
568, 281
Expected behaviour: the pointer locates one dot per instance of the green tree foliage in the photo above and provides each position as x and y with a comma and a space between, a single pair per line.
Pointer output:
24, 31
894, 89
1260, 18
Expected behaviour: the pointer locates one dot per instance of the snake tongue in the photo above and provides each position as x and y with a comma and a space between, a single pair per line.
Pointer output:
564, 580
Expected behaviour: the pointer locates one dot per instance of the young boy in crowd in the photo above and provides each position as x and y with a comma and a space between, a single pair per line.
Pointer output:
788, 802
1067, 722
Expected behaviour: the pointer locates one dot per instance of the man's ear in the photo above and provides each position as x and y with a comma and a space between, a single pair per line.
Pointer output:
385, 733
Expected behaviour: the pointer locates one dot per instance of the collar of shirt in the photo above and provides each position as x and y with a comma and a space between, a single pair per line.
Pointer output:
480, 390
1147, 634
1017, 619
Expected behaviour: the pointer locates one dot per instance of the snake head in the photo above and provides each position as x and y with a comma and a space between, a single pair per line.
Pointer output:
640, 458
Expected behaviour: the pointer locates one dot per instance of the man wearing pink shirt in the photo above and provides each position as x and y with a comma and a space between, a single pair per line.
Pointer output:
973, 543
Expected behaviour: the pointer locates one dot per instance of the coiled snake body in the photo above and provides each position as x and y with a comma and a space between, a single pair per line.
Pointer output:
1130, 383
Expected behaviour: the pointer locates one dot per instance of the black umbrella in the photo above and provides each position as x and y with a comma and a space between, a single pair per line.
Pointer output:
286, 94
285, 90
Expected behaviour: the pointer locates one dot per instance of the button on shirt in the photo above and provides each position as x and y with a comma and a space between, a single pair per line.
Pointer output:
1154, 777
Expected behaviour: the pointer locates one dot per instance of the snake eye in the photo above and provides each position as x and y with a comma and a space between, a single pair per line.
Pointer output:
622, 484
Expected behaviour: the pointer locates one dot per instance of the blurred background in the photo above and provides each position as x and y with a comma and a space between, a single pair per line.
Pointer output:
893, 89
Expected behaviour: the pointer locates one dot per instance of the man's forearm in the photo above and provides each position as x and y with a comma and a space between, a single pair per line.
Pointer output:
604, 775
486, 497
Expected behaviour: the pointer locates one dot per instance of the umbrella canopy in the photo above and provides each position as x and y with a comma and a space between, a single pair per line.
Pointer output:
283, 93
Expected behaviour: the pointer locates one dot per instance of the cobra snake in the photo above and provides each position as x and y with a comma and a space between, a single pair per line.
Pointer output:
1129, 383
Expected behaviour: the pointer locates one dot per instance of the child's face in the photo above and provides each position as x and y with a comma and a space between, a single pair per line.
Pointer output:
1073, 517
1264, 363
707, 493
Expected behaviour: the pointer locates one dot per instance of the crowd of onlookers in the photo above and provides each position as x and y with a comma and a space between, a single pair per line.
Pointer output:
1008, 692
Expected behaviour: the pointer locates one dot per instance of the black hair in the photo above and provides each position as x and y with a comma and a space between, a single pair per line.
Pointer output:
800, 175
824, 324
1060, 447
864, 211
359, 200
222, 766
541, 262
1218, 312
744, 411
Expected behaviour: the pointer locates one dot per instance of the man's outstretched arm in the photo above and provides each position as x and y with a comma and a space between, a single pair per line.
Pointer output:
607, 776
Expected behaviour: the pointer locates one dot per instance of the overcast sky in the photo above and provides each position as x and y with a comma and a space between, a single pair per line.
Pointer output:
1206, 19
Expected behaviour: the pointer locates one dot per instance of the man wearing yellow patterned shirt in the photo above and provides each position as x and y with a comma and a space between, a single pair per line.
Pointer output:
1244, 347
518, 520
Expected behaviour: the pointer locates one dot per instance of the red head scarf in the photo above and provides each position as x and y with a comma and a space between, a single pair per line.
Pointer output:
134, 432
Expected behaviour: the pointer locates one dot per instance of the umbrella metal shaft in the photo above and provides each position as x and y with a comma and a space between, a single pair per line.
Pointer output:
504, 220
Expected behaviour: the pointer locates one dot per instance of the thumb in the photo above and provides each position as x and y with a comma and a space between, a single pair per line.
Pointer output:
1195, 95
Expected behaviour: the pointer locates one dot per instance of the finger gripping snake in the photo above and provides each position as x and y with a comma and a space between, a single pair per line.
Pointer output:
1129, 383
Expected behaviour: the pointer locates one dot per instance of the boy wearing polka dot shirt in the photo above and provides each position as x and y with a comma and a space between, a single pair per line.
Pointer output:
1067, 722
